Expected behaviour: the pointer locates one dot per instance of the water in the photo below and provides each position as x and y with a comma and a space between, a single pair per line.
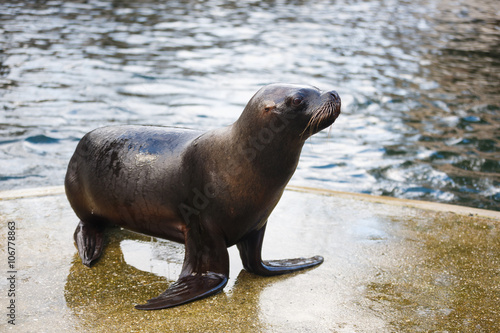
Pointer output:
419, 81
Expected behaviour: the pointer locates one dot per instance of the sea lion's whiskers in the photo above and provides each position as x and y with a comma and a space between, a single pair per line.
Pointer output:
324, 113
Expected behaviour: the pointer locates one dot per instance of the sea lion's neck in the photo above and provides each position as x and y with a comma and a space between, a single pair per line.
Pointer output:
273, 154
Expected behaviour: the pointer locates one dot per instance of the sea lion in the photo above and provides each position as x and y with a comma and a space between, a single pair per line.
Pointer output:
207, 190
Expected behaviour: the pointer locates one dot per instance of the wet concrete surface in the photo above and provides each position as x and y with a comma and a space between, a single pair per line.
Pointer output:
388, 267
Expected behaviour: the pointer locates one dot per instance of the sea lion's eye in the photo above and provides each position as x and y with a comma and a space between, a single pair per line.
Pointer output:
297, 100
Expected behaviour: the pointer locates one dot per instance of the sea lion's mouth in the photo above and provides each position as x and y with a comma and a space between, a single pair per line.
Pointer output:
325, 115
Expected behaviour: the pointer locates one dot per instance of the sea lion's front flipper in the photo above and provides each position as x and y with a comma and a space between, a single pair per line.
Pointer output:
89, 239
187, 289
205, 270
250, 252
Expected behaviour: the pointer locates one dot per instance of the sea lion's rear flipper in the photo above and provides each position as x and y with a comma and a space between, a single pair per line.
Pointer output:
187, 289
204, 273
250, 252
89, 240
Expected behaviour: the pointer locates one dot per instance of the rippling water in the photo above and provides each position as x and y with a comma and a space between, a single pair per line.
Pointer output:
419, 81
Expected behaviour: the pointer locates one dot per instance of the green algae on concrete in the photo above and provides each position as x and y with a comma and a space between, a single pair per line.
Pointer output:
448, 280
387, 268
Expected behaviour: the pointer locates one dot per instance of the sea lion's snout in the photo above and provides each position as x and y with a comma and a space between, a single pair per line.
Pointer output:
334, 96
324, 114
335, 99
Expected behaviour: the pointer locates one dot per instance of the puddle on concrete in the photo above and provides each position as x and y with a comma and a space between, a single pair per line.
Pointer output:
386, 269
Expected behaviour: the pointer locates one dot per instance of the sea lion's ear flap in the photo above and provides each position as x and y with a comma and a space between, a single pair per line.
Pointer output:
269, 106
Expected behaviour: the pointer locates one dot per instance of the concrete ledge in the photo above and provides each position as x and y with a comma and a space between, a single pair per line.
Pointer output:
31, 192
426, 205
390, 265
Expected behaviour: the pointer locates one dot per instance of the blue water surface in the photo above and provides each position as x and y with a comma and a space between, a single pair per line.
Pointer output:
419, 82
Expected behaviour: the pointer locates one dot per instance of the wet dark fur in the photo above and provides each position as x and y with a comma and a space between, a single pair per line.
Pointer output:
207, 190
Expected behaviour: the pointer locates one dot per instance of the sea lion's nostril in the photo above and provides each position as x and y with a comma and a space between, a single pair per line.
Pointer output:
334, 94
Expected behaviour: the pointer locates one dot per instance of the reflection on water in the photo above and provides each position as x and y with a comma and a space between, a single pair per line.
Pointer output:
419, 82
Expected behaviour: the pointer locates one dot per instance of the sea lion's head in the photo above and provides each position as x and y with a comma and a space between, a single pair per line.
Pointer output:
297, 110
